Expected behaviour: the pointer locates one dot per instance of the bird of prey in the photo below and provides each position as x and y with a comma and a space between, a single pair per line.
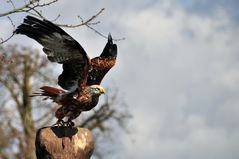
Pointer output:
81, 76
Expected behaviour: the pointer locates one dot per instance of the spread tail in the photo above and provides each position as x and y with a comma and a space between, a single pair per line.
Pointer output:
49, 92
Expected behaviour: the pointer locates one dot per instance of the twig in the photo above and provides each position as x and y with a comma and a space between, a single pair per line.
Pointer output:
28, 7
104, 36
46, 4
3, 41
32, 7
13, 25
10, 1
82, 20
57, 17
16, 10
88, 24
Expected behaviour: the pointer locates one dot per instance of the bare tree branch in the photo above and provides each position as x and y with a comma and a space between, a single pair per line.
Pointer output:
13, 26
11, 90
57, 17
32, 7
5, 40
87, 22
13, 5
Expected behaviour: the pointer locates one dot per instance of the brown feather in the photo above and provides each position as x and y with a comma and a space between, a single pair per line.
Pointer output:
51, 91
100, 66
79, 72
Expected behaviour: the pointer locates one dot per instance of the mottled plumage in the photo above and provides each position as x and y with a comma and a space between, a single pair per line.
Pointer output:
81, 75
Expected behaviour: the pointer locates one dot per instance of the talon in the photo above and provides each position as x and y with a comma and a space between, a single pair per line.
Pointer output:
70, 123
59, 123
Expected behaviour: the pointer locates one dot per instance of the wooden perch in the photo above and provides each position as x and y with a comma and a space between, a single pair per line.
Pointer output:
64, 143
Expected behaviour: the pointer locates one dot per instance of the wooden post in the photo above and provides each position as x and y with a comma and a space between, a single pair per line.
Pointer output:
64, 143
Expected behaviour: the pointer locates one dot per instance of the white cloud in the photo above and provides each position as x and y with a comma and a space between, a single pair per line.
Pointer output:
185, 82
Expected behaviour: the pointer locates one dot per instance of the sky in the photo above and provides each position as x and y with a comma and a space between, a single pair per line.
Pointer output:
177, 69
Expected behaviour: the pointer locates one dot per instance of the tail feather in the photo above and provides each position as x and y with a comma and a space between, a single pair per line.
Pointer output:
48, 92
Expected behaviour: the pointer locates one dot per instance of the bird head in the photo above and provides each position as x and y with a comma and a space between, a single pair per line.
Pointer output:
96, 90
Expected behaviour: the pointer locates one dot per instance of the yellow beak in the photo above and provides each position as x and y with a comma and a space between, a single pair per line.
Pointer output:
102, 90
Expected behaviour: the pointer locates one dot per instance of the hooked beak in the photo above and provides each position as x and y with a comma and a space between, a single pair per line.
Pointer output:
102, 90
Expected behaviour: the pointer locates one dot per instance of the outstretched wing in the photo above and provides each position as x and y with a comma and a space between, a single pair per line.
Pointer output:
59, 47
102, 64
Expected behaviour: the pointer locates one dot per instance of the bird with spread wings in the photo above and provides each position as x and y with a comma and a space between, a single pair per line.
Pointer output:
81, 76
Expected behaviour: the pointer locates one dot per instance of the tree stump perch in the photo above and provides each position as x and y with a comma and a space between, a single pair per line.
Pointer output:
64, 143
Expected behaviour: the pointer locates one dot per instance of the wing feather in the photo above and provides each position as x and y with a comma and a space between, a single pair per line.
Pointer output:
59, 47
102, 64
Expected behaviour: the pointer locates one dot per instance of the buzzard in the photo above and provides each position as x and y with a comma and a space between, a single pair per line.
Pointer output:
81, 76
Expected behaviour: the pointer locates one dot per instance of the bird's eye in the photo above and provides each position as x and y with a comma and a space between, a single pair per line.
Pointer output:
98, 89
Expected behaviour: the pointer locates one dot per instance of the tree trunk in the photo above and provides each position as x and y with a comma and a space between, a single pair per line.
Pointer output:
26, 113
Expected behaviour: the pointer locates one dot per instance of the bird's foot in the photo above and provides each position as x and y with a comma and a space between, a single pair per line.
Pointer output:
70, 123
62, 123
59, 123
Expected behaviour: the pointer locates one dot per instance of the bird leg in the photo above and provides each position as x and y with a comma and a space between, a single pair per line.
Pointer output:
59, 123
70, 123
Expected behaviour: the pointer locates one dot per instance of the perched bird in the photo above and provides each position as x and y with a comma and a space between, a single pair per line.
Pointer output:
81, 75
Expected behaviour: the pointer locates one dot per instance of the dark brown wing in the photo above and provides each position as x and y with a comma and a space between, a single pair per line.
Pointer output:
59, 47
102, 64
